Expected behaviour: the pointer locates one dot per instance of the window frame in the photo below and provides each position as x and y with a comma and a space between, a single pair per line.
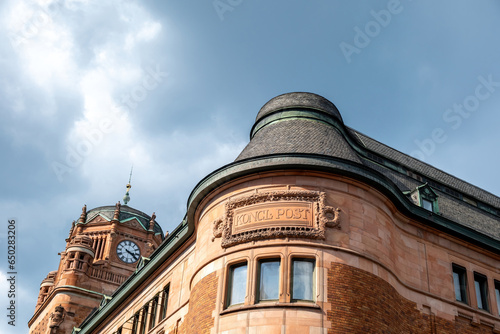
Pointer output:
135, 322
462, 283
313, 278
154, 311
429, 203
143, 318
497, 295
481, 284
229, 283
164, 302
258, 279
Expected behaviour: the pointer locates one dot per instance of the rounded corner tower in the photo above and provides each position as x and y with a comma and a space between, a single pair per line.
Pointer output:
279, 209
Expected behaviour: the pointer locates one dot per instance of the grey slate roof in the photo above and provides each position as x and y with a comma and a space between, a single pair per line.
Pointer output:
427, 170
282, 130
299, 136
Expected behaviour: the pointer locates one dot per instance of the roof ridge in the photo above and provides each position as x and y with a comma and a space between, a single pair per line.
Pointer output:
486, 192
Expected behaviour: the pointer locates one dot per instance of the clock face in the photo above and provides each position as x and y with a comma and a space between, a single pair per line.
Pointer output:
128, 251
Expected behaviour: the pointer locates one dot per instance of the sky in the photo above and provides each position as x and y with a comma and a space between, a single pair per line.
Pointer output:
90, 88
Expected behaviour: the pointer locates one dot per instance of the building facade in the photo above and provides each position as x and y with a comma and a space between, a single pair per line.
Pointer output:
102, 250
317, 228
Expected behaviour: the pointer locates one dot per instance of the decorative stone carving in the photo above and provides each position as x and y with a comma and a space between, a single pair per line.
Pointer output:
330, 216
278, 214
219, 226
56, 318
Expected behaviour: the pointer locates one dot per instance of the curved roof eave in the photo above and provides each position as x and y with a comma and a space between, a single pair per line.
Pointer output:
249, 166
337, 166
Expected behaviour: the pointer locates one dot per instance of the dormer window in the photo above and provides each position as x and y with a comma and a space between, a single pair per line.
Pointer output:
425, 197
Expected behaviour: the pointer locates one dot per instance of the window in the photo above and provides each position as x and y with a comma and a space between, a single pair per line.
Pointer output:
272, 282
460, 283
152, 317
237, 284
135, 323
426, 204
268, 283
302, 279
164, 302
497, 294
143, 318
481, 286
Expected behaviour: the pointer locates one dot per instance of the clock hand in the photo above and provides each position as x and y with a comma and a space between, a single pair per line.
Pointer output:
133, 255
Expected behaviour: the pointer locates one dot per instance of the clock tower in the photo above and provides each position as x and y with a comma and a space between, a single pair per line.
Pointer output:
103, 249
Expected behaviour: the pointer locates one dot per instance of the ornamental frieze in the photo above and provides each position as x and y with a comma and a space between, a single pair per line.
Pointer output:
278, 214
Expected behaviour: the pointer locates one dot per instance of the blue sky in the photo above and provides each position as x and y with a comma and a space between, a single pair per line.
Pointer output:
90, 88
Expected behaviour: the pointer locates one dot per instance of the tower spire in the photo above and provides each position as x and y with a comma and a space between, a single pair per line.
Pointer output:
126, 198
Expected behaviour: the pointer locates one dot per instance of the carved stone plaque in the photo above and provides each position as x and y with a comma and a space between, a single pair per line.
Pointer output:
291, 213
277, 214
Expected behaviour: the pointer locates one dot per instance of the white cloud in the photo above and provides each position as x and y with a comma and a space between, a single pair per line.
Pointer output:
45, 46
148, 31
97, 66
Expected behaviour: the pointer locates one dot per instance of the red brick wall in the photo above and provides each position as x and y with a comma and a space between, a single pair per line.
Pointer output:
199, 319
42, 326
364, 303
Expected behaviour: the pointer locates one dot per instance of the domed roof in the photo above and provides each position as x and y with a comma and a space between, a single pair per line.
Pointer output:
126, 213
300, 136
299, 123
299, 100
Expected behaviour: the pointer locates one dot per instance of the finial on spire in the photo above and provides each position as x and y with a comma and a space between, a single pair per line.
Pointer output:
126, 198
83, 216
